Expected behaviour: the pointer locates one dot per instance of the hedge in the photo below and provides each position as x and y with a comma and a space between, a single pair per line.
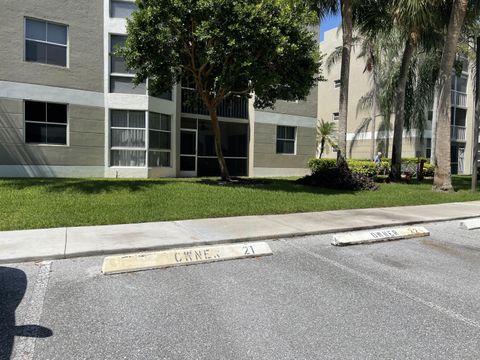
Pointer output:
369, 168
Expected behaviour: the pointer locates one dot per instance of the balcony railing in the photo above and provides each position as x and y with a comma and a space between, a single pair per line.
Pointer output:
458, 133
459, 99
232, 107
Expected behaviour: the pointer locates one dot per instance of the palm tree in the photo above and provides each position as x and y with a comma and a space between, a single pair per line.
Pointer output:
347, 34
325, 136
417, 22
346, 7
382, 57
442, 180
372, 51
367, 52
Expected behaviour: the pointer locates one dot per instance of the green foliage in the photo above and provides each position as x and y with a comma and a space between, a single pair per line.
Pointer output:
228, 47
30, 203
369, 168
414, 160
326, 132
428, 170
319, 165
366, 167
340, 177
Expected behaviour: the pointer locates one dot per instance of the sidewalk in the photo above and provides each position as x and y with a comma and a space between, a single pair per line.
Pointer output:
60, 243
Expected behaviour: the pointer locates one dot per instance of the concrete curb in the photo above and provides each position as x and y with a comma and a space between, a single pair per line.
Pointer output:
379, 235
470, 224
74, 242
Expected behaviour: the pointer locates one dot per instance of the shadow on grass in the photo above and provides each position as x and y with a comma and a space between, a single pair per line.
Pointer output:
276, 184
459, 182
101, 186
462, 182
84, 186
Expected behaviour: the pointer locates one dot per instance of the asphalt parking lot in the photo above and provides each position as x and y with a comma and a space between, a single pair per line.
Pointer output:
408, 299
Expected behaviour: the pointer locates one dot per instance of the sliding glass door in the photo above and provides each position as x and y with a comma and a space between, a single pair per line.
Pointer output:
188, 152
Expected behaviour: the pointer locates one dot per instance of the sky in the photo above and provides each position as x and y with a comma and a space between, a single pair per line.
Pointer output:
330, 22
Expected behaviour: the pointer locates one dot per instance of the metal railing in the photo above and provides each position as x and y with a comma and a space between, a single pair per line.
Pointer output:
232, 107
458, 133
459, 99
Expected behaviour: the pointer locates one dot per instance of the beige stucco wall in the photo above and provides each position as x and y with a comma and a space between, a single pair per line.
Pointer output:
85, 132
362, 148
328, 99
265, 148
85, 43
360, 84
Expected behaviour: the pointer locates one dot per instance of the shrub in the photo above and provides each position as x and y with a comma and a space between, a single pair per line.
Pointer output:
428, 169
364, 167
340, 177
414, 160
369, 168
319, 165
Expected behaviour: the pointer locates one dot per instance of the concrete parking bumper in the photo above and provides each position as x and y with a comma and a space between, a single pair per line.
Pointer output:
42, 244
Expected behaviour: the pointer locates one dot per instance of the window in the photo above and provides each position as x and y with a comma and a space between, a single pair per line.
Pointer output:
286, 140
120, 77
336, 116
45, 42
159, 140
45, 123
121, 9
336, 84
128, 147
428, 148
167, 95
462, 83
459, 117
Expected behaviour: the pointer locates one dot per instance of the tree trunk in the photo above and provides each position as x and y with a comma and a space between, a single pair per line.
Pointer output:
347, 28
443, 177
374, 114
387, 136
476, 122
434, 125
396, 168
322, 147
218, 142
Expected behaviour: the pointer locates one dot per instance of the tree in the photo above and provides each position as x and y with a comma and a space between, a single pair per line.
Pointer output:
417, 22
347, 34
325, 136
346, 7
381, 52
442, 180
227, 48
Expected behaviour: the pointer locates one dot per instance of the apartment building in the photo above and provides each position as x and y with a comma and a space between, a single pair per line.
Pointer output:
68, 107
359, 140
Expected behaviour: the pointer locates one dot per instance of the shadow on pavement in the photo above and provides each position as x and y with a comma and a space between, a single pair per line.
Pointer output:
13, 284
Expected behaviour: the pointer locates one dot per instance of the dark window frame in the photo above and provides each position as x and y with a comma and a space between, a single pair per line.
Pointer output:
46, 42
286, 140
46, 123
128, 76
111, 15
152, 131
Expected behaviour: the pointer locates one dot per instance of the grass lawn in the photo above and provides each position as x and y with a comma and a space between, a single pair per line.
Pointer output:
43, 203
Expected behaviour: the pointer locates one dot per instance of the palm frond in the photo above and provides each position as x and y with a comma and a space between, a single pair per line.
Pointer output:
332, 59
